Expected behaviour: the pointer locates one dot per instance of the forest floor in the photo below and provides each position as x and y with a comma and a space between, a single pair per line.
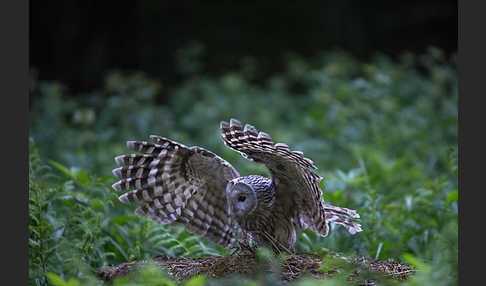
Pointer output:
360, 269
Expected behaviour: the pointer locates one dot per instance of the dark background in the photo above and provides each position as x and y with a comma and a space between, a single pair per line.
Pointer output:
76, 42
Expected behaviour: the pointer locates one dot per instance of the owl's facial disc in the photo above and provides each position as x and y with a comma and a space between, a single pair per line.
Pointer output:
242, 199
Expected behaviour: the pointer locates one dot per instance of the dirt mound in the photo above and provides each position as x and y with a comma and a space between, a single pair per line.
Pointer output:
360, 268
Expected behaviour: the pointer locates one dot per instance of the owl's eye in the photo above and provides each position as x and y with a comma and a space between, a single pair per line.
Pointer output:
241, 198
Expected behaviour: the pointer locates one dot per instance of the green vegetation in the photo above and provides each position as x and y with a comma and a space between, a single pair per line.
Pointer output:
383, 134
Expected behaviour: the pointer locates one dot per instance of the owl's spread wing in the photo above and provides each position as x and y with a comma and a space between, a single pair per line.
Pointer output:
291, 171
178, 185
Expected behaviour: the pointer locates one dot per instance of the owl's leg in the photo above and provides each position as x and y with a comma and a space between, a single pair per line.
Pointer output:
281, 240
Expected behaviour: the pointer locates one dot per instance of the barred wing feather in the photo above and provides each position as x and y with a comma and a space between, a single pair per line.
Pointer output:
293, 175
178, 185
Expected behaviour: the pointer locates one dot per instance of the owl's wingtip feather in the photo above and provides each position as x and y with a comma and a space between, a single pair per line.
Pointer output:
250, 129
119, 160
117, 172
117, 186
355, 229
131, 144
235, 122
223, 125
124, 199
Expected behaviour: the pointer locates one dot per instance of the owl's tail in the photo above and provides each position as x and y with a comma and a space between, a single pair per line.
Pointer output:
343, 216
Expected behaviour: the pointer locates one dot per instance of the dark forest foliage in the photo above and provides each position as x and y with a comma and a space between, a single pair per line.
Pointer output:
73, 41
383, 134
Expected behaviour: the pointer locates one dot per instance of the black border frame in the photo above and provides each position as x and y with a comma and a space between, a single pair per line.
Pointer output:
14, 116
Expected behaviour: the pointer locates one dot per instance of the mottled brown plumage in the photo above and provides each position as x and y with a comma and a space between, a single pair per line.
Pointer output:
179, 185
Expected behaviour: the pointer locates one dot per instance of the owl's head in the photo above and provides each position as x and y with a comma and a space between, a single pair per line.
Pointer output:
242, 198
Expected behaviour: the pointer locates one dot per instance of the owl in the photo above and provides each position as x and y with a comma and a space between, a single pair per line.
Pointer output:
190, 186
